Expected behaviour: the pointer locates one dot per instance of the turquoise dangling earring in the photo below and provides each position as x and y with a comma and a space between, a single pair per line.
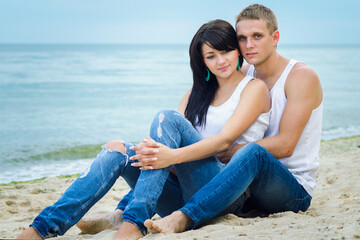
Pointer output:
207, 73
239, 64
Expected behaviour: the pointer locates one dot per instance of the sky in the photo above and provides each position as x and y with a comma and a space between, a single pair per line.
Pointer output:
314, 22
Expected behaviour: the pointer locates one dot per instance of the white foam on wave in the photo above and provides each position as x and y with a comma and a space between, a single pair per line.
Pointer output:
340, 132
44, 169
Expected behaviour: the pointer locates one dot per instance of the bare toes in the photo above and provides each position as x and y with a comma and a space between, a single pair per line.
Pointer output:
149, 225
156, 227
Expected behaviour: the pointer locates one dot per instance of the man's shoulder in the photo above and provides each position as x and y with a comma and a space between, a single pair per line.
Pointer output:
303, 83
303, 69
302, 73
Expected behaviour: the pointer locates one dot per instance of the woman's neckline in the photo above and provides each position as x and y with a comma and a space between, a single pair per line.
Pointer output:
232, 94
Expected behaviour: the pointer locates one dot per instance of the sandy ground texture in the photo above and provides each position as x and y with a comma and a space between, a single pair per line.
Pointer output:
333, 214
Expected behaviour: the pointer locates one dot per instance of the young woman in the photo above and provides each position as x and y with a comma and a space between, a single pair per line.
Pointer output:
223, 107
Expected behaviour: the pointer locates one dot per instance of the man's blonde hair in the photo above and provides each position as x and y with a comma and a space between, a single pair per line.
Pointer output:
259, 12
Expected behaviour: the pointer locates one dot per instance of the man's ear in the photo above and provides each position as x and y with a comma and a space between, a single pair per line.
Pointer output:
276, 37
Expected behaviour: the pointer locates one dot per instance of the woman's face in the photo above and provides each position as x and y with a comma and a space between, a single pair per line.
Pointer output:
221, 63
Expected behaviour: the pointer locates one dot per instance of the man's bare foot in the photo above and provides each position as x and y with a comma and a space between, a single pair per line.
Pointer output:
175, 223
30, 233
100, 222
128, 231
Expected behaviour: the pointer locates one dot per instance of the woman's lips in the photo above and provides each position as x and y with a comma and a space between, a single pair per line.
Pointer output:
224, 68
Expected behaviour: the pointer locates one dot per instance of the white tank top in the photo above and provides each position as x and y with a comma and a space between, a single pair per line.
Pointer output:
217, 117
304, 162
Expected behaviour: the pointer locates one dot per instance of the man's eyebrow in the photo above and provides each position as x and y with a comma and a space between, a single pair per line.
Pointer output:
252, 34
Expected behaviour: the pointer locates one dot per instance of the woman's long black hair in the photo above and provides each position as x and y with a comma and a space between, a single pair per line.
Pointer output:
221, 36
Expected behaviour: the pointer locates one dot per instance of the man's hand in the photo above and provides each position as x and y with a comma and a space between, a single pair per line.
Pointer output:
226, 155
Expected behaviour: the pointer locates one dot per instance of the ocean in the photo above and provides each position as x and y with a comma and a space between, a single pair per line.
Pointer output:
60, 103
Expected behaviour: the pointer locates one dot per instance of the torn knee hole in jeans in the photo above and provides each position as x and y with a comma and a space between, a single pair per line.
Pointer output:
116, 146
113, 148
159, 129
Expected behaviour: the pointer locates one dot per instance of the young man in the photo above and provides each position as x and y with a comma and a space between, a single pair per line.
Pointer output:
278, 172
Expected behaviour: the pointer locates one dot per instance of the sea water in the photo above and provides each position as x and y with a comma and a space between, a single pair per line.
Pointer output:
60, 103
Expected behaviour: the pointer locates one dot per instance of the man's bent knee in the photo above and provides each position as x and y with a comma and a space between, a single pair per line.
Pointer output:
247, 152
253, 146
116, 145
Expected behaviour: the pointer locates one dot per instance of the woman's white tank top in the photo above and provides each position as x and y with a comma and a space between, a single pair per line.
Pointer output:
217, 117
304, 162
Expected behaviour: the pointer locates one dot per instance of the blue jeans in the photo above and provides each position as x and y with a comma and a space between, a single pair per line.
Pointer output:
252, 175
152, 191
218, 189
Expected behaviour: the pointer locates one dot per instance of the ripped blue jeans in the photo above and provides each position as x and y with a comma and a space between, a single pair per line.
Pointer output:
152, 191
208, 188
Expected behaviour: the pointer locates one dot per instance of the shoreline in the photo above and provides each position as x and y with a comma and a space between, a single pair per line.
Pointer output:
334, 212
77, 174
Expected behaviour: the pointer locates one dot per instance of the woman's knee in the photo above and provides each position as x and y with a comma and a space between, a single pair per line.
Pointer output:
166, 114
116, 145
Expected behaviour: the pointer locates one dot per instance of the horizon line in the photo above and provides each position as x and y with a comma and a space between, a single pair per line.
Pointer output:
173, 44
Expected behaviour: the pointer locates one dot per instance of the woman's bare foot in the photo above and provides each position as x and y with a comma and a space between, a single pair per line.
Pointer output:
30, 233
175, 223
100, 222
128, 231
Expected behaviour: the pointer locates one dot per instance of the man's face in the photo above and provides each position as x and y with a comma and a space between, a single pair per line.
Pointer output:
255, 41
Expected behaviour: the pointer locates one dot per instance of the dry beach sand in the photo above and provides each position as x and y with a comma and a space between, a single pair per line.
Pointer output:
334, 213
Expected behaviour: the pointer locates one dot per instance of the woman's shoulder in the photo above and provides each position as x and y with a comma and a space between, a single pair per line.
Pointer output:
257, 84
256, 90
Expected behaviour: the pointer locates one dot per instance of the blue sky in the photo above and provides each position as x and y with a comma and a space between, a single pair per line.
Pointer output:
168, 21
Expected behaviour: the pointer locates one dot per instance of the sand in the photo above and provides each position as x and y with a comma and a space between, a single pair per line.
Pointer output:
333, 214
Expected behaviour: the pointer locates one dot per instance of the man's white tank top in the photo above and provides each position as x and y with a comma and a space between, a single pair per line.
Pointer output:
217, 117
304, 162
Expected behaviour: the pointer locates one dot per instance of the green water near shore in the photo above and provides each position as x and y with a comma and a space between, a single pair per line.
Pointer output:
334, 146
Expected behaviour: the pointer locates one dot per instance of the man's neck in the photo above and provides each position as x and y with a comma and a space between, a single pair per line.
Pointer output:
270, 70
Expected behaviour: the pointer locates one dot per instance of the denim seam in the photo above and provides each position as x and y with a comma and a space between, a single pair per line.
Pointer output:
152, 206
216, 190
160, 191
41, 232
94, 197
189, 213
298, 200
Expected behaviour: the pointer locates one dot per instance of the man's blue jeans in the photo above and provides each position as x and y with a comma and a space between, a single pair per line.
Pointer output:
152, 191
252, 175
